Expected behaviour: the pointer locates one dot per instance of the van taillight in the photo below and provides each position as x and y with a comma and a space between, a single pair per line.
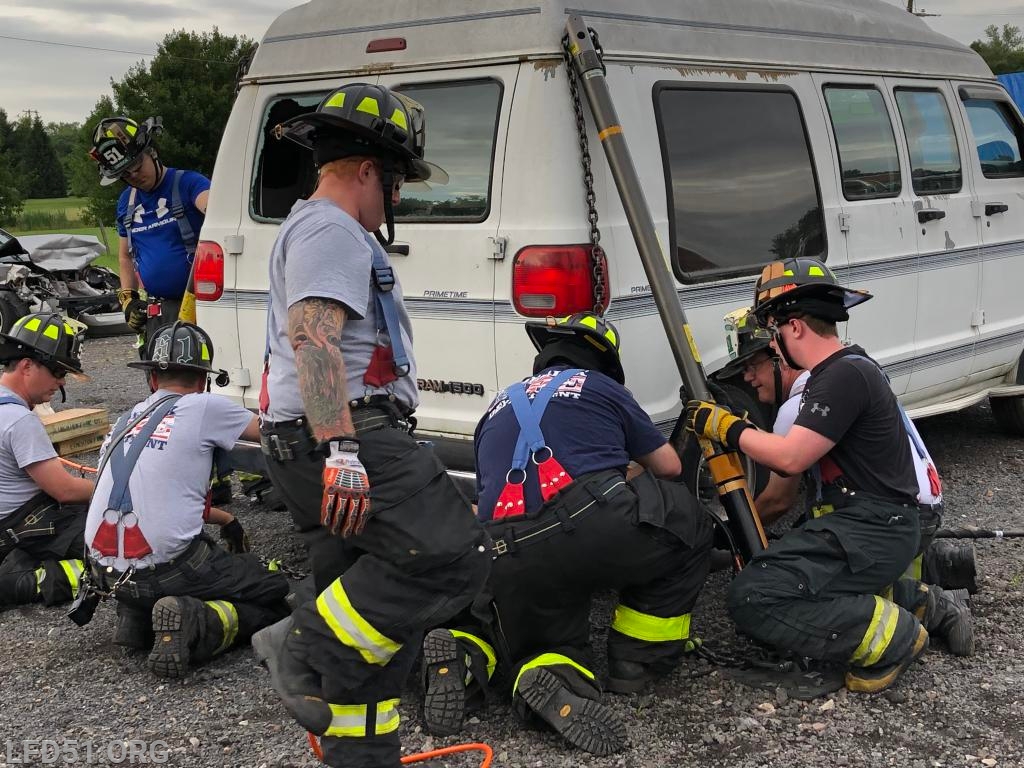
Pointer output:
209, 271
555, 280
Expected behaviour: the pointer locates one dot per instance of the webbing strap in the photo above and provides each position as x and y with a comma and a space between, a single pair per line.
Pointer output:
529, 414
915, 436
8, 400
128, 217
387, 309
188, 237
122, 464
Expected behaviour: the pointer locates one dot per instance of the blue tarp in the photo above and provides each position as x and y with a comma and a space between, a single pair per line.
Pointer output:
1014, 83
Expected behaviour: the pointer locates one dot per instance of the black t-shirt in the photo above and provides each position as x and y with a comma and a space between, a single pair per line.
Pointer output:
848, 400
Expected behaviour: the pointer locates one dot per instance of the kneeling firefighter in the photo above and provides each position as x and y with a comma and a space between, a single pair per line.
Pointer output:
567, 520
42, 510
178, 594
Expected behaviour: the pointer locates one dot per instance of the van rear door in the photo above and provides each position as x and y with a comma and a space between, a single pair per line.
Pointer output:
994, 155
446, 251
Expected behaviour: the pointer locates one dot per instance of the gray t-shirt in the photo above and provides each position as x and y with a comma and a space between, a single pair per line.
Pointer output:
169, 483
23, 441
322, 252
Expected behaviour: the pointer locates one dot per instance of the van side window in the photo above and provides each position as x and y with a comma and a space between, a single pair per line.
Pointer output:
997, 137
462, 123
867, 147
741, 185
284, 170
934, 153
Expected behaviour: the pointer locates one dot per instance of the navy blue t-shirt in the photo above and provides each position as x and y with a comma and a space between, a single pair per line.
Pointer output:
160, 256
591, 423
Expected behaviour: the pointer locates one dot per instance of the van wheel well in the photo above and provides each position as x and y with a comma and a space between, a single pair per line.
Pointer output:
1009, 411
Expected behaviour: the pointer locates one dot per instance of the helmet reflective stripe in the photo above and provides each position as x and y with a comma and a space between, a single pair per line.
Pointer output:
30, 323
52, 332
369, 105
204, 352
398, 118
337, 100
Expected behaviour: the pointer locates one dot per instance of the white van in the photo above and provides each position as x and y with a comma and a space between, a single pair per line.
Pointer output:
841, 129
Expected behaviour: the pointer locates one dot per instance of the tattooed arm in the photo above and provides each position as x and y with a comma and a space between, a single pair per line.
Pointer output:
314, 330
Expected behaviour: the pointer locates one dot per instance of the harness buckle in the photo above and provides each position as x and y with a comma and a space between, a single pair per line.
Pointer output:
13, 536
500, 547
276, 448
384, 278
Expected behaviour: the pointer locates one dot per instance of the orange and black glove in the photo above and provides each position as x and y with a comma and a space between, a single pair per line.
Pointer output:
346, 501
715, 422
134, 309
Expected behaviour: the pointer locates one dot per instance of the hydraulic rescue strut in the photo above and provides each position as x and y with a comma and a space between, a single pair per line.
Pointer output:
725, 466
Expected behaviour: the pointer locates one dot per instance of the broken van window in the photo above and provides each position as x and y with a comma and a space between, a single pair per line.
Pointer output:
869, 165
741, 185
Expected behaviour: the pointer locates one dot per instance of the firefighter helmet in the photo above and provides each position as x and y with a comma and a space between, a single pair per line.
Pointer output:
586, 328
48, 338
365, 119
803, 286
744, 338
118, 144
180, 347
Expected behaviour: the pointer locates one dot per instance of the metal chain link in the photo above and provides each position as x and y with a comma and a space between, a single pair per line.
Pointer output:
598, 261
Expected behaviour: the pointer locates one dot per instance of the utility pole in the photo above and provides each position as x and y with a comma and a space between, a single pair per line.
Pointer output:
910, 9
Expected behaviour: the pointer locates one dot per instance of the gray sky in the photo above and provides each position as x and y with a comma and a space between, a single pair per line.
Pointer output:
63, 83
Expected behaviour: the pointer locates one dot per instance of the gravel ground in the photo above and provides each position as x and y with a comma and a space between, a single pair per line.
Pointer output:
71, 685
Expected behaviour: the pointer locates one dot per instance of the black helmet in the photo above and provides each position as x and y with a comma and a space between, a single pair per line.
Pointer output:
364, 119
119, 142
587, 332
744, 338
48, 338
180, 347
803, 286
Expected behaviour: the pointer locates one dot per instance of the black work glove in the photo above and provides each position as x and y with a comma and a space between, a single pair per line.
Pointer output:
134, 309
234, 537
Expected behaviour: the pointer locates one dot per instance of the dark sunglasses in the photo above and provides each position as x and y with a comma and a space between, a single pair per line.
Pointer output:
56, 370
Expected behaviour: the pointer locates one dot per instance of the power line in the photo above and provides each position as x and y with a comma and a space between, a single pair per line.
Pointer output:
111, 50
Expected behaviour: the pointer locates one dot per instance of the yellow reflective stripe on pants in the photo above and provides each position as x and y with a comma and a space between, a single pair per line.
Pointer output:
483, 645
349, 720
73, 570
229, 622
552, 660
878, 635
652, 629
352, 629
915, 569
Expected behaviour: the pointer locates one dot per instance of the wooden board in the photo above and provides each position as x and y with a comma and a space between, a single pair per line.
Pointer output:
81, 444
75, 422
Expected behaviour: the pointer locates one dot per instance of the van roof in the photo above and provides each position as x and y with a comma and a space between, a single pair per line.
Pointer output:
325, 38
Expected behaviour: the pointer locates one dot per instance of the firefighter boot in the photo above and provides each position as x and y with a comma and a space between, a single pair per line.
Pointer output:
20, 579
583, 722
628, 676
456, 669
951, 564
134, 629
945, 617
189, 631
878, 677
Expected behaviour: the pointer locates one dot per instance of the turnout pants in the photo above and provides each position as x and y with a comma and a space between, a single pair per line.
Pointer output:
240, 594
816, 590
41, 546
421, 558
646, 538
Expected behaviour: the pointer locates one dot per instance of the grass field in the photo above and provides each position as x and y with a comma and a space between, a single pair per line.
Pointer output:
69, 209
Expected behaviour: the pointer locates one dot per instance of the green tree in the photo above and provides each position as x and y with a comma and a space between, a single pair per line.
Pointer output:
65, 142
5, 130
1002, 49
10, 197
37, 171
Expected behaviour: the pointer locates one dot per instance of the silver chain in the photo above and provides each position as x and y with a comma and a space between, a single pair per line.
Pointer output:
598, 261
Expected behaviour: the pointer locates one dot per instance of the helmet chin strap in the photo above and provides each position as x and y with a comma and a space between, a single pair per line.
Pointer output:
63, 394
387, 182
781, 343
780, 397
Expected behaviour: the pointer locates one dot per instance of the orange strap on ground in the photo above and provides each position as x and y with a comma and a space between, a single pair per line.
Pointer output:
422, 757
